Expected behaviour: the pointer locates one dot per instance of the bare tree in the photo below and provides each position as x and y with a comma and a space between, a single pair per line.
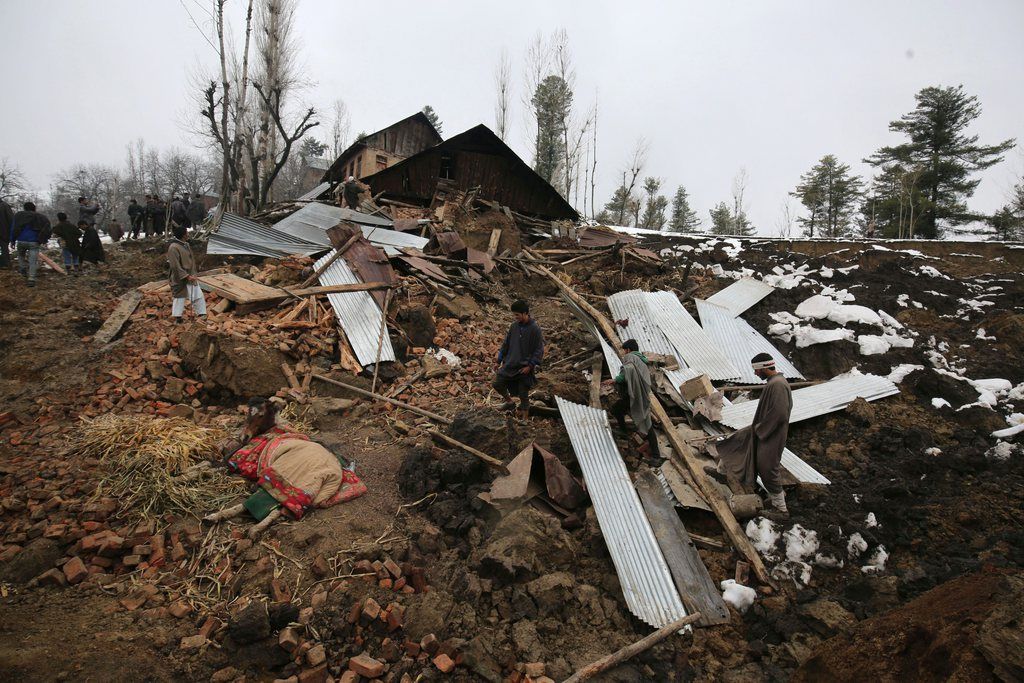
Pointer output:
13, 183
593, 166
503, 86
786, 219
636, 167
288, 136
341, 127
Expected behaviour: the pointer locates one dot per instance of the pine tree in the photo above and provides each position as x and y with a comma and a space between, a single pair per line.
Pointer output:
1008, 222
552, 102
946, 156
434, 119
684, 219
721, 219
654, 206
829, 193
617, 207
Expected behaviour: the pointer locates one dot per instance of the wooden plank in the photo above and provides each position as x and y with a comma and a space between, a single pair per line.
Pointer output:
596, 365
691, 577
239, 289
46, 260
337, 289
369, 394
492, 244
127, 305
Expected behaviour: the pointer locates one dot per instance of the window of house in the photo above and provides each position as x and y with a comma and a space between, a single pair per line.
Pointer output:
359, 167
447, 167
382, 162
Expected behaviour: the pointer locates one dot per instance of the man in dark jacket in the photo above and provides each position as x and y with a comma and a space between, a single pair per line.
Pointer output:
196, 211
178, 213
29, 230
518, 360
6, 216
135, 213
71, 243
92, 247
87, 211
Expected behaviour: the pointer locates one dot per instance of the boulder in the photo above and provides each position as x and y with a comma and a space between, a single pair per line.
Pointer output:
526, 544
34, 559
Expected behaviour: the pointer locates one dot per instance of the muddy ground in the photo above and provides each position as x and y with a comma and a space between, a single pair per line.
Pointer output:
516, 595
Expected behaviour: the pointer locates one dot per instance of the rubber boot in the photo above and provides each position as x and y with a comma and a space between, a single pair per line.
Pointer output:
779, 511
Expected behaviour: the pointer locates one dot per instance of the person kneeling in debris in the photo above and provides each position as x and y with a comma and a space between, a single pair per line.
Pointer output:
519, 358
293, 473
182, 276
757, 450
634, 385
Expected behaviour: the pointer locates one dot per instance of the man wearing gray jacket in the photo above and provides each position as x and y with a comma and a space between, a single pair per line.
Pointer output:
634, 385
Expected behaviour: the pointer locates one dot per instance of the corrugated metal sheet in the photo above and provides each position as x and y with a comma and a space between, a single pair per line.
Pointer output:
691, 342
310, 223
741, 295
643, 573
740, 342
631, 305
315, 192
610, 357
820, 399
800, 469
357, 312
392, 240
238, 235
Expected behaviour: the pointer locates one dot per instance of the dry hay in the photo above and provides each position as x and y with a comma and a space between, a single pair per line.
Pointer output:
301, 418
145, 463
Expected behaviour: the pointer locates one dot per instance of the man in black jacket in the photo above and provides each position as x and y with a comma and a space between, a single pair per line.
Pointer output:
135, 213
29, 231
6, 216
519, 358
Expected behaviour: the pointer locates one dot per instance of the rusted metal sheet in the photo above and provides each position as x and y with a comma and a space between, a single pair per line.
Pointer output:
598, 236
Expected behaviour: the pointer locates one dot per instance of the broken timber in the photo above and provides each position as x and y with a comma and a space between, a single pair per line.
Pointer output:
683, 452
369, 394
695, 586
127, 305
248, 296
642, 645
50, 262
492, 462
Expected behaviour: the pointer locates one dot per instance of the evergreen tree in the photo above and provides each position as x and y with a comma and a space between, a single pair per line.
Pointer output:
684, 219
655, 205
894, 202
721, 219
434, 119
945, 154
1008, 222
829, 193
552, 102
618, 207
311, 148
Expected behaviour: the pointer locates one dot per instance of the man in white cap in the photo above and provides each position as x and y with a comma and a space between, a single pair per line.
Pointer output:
757, 450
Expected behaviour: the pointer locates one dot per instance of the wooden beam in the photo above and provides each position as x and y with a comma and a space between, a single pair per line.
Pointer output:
642, 645
46, 260
683, 452
337, 289
369, 394
125, 307
334, 257
492, 244
490, 461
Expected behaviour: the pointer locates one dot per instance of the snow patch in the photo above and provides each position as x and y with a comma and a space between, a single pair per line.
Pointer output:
1001, 451
940, 403
763, 536
870, 520
933, 451
876, 563
856, 545
900, 372
800, 543
739, 596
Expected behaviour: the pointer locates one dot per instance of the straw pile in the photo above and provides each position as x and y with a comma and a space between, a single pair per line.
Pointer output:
142, 460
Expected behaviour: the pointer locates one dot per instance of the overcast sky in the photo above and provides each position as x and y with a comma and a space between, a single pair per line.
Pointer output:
712, 86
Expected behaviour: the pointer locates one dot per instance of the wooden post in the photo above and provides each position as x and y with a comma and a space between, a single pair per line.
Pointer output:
334, 257
683, 452
492, 245
595, 380
380, 338
619, 656
369, 394
492, 462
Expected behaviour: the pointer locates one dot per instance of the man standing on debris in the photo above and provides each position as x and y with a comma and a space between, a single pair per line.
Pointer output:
29, 230
757, 450
135, 213
182, 276
196, 211
71, 243
351, 190
87, 211
634, 385
519, 358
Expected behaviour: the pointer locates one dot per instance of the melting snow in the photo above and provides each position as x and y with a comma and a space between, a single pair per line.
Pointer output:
900, 372
876, 563
800, 543
763, 536
856, 545
739, 596
870, 520
940, 403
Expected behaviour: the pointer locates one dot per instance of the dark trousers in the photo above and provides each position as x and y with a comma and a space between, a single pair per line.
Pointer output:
5, 254
136, 226
620, 409
517, 386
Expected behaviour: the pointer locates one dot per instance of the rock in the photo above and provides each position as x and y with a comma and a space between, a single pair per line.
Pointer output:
181, 410
551, 592
462, 307
444, 663
174, 390
1000, 638
428, 614
316, 655
526, 641
250, 625
480, 660
193, 642
289, 638
418, 324
75, 570
861, 412
282, 614
525, 544
232, 365
324, 404
228, 673
34, 559
829, 617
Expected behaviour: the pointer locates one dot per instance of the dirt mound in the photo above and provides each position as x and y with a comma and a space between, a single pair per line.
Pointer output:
967, 630
526, 544
454, 477
231, 365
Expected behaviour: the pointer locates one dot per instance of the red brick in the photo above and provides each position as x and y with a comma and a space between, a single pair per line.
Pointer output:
429, 644
279, 591
412, 648
316, 655
392, 567
178, 552
444, 663
289, 639
179, 609
51, 577
364, 665
396, 616
385, 584
315, 675
371, 609
75, 570
349, 677
210, 626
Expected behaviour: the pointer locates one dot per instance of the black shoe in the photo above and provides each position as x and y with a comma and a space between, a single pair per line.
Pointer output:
776, 515
716, 475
